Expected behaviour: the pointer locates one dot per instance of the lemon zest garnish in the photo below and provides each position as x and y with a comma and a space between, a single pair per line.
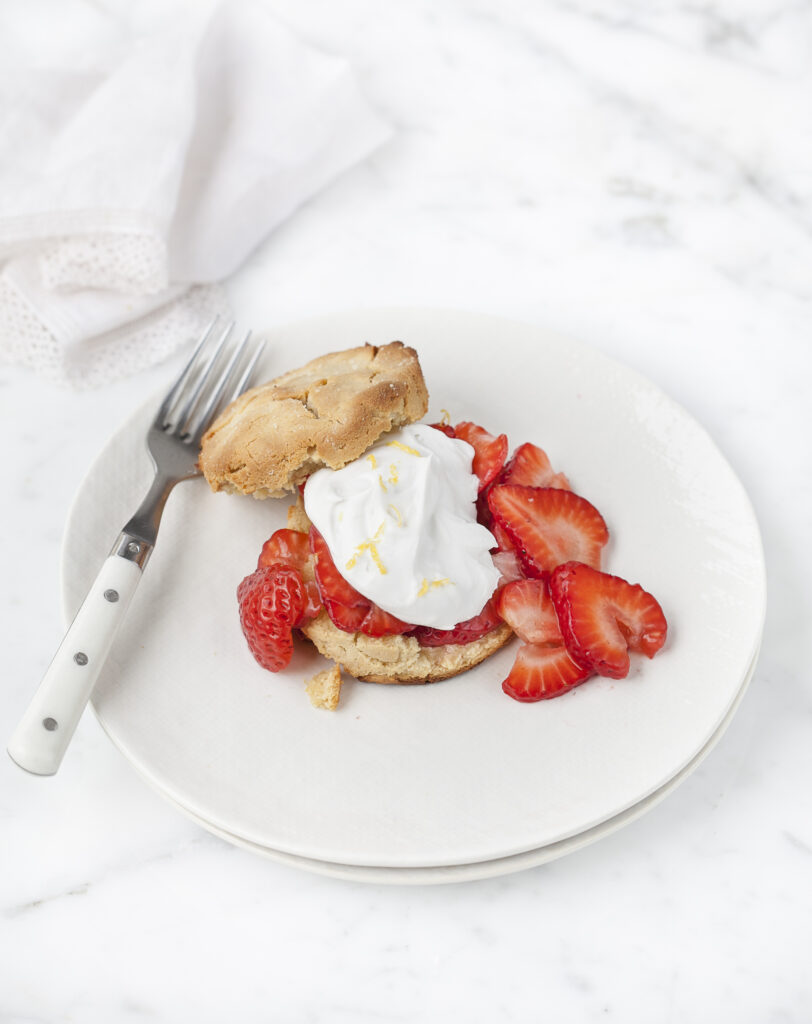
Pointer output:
393, 473
446, 416
428, 585
380, 481
373, 461
370, 546
405, 448
376, 558
398, 516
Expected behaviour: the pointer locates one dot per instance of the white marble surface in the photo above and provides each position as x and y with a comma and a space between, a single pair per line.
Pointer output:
636, 175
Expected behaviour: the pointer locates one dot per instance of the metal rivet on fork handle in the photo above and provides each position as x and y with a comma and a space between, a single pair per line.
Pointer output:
80, 658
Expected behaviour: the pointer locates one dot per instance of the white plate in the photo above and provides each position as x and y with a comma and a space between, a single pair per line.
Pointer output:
453, 773
500, 865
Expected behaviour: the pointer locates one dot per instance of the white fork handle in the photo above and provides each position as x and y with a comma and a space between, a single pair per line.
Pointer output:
40, 740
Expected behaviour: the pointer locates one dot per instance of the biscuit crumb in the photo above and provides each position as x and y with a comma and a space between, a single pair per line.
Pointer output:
324, 688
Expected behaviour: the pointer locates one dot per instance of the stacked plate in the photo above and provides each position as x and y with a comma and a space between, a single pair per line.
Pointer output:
452, 781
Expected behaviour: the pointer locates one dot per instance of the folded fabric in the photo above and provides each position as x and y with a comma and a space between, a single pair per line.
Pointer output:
128, 191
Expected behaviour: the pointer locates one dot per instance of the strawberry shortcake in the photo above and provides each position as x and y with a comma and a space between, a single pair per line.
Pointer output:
414, 551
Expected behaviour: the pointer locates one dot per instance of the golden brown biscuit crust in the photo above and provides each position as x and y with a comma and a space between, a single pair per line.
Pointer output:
325, 414
399, 659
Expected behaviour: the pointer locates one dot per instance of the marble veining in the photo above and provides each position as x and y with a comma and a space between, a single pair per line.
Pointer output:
635, 175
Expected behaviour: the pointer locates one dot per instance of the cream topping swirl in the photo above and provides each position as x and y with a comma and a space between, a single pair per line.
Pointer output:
400, 523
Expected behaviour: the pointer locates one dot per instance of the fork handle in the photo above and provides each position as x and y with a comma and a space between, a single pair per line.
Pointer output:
40, 740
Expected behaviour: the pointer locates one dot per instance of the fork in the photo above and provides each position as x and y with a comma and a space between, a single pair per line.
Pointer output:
211, 378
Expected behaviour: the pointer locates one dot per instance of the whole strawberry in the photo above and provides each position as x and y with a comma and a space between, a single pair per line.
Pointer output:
272, 601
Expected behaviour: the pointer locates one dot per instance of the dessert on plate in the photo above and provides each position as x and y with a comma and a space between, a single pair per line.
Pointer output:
414, 551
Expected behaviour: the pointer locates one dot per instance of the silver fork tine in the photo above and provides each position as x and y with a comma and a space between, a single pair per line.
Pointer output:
245, 376
183, 376
181, 418
212, 400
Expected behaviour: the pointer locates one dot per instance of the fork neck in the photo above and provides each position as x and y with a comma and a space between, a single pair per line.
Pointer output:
137, 539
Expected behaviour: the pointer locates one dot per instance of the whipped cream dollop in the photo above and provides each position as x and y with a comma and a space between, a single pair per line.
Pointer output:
400, 523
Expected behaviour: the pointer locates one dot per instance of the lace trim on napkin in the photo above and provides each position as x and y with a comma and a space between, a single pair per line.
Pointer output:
26, 341
128, 262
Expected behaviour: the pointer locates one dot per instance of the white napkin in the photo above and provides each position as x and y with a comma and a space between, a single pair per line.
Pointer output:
127, 192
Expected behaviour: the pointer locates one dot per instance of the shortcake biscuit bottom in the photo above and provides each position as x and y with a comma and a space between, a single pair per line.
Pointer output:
399, 659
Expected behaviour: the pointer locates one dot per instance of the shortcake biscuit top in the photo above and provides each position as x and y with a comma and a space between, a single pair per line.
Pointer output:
325, 414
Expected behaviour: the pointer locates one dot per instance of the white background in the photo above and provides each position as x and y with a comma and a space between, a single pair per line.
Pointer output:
636, 175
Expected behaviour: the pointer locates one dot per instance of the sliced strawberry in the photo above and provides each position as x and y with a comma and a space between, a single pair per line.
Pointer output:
271, 602
446, 428
285, 547
501, 537
292, 548
548, 526
489, 452
464, 632
483, 513
349, 618
529, 466
603, 617
332, 585
540, 673
313, 604
345, 606
526, 606
510, 569
348, 609
377, 622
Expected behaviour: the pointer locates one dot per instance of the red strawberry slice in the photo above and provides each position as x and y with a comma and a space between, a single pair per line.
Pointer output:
507, 562
489, 452
529, 466
377, 622
349, 618
540, 673
271, 602
345, 606
526, 606
292, 548
501, 537
464, 632
602, 617
285, 547
446, 428
313, 602
483, 513
332, 584
348, 609
548, 526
